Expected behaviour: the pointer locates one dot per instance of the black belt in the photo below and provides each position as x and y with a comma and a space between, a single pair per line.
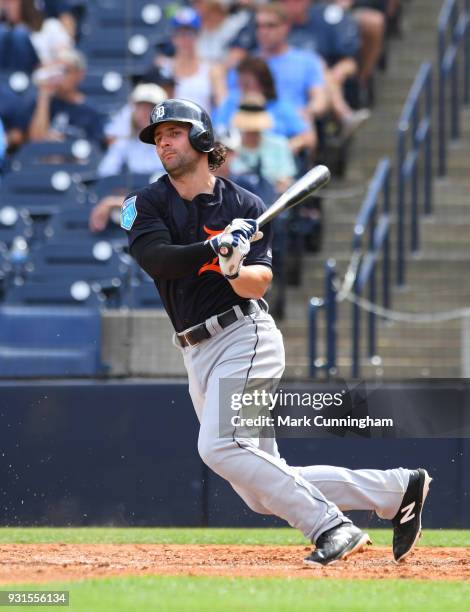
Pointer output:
200, 332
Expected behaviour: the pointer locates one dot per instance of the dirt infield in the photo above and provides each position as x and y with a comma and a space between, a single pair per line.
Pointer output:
48, 562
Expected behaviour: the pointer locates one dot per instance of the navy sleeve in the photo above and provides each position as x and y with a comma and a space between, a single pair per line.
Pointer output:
139, 217
261, 250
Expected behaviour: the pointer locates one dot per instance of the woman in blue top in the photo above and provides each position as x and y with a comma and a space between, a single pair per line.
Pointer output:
255, 77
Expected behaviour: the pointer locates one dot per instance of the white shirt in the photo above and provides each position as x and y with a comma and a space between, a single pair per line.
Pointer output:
120, 123
50, 40
212, 45
140, 158
197, 87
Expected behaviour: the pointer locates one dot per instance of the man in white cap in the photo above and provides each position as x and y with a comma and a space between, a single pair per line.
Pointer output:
128, 152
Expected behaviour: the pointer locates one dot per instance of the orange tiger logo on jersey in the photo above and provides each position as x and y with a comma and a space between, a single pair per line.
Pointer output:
213, 265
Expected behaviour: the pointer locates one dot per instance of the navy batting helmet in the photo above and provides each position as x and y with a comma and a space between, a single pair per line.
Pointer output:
201, 134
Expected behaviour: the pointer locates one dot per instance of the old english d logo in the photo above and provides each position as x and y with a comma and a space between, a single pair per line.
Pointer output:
213, 265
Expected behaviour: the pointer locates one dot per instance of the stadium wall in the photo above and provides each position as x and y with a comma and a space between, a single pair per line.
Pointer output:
125, 453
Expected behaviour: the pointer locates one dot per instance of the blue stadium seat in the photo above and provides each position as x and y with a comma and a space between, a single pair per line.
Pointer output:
107, 90
12, 225
142, 294
17, 81
52, 180
75, 155
141, 17
41, 342
117, 47
84, 260
42, 193
54, 293
39, 206
72, 224
120, 184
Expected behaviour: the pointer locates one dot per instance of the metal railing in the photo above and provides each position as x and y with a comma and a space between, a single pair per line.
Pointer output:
375, 225
378, 230
414, 147
328, 307
453, 43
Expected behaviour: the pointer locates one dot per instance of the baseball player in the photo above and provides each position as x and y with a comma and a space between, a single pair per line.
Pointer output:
224, 332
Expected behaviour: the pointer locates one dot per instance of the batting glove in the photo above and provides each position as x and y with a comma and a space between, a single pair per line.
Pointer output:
230, 266
248, 228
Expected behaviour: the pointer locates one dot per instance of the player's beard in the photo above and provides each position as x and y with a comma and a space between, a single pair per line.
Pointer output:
180, 164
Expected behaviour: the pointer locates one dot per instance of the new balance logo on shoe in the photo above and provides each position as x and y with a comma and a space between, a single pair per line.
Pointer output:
407, 510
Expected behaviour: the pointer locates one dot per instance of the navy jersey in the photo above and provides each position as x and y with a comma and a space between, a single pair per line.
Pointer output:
205, 292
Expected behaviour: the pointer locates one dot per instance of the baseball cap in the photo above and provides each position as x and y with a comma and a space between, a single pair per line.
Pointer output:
148, 92
186, 17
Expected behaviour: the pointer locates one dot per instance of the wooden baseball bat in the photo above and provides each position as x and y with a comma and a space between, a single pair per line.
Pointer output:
309, 183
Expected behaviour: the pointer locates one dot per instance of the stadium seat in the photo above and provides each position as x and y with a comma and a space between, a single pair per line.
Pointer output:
50, 180
12, 225
120, 184
17, 81
72, 224
43, 193
75, 155
49, 341
117, 47
107, 91
143, 17
142, 294
54, 293
87, 260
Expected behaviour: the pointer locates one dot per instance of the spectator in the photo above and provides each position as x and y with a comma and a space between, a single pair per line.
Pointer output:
252, 181
260, 151
371, 18
196, 80
47, 35
332, 32
254, 76
161, 77
298, 74
128, 151
16, 48
218, 28
61, 109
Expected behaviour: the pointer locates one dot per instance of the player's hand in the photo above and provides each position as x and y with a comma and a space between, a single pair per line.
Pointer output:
230, 266
248, 228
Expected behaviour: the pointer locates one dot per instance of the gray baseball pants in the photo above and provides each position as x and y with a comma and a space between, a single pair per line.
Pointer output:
309, 498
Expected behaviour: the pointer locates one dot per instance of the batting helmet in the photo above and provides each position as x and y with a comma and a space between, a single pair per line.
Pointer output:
201, 134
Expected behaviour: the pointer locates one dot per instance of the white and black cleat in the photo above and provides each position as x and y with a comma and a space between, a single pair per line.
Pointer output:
336, 544
407, 521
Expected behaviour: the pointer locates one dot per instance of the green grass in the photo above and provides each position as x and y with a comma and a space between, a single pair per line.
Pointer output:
249, 537
169, 594
214, 594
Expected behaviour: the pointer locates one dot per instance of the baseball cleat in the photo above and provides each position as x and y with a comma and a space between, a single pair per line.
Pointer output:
337, 543
407, 521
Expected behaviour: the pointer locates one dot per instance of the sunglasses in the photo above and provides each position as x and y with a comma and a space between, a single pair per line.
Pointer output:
269, 25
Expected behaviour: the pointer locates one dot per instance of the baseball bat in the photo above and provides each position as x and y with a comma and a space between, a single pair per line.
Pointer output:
309, 183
